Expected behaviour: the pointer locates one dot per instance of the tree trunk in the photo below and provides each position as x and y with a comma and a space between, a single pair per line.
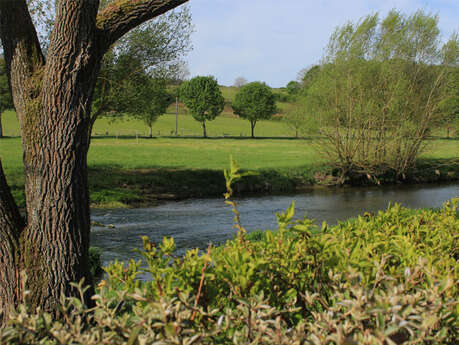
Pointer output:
252, 127
1, 127
204, 133
53, 102
151, 130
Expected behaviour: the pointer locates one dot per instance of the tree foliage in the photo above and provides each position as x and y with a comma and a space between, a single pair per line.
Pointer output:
293, 87
380, 91
155, 51
157, 99
203, 97
255, 101
298, 117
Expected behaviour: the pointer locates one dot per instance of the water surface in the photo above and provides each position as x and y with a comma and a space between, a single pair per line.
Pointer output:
196, 222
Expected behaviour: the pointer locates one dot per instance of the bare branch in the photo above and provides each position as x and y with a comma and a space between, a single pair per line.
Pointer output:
119, 17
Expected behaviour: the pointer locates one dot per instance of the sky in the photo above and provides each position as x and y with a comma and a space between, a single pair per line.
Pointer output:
272, 40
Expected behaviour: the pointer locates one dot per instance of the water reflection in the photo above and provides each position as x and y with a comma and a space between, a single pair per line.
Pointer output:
195, 223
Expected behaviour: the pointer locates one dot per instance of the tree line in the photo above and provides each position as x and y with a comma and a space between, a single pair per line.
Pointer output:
202, 96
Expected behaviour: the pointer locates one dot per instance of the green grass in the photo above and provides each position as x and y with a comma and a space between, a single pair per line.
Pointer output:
195, 153
125, 170
223, 125
121, 170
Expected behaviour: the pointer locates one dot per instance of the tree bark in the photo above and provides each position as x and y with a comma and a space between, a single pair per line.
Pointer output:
252, 127
204, 132
53, 102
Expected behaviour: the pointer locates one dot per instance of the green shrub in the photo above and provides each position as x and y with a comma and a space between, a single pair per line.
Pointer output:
389, 312
385, 278
95, 263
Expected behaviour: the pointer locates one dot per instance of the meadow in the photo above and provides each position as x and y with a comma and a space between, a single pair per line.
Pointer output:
127, 168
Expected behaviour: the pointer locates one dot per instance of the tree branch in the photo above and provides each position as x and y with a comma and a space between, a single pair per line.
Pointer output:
123, 15
21, 48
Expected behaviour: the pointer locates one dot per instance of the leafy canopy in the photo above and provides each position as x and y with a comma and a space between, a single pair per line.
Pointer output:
157, 100
255, 101
202, 96
152, 51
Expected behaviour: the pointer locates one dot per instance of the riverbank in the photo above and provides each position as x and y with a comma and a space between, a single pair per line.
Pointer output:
126, 172
115, 188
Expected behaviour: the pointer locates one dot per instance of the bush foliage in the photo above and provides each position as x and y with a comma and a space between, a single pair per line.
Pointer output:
383, 86
385, 278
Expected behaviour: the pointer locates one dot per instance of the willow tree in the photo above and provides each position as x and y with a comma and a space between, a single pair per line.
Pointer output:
52, 96
383, 85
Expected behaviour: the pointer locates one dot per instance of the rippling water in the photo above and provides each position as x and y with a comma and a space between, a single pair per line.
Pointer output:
196, 222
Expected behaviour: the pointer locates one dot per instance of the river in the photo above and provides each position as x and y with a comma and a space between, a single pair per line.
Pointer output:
196, 222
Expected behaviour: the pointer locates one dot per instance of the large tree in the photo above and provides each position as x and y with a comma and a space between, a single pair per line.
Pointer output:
52, 97
154, 49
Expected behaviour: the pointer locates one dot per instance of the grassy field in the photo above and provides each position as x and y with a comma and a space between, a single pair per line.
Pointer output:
125, 170
129, 171
226, 124
223, 125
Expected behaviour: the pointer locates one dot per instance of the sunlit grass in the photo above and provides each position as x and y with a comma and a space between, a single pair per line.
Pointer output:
167, 163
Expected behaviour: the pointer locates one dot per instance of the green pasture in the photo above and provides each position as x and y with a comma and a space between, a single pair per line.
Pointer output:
223, 126
186, 153
125, 169
226, 124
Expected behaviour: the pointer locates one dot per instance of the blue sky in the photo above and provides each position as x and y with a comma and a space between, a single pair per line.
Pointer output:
271, 40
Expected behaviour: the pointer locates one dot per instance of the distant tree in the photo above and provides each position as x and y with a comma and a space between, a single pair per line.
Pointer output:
6, 101
255, 101
203, 98
296, 116
309, 76
240, 81
450, 106
301, 73
157, 99
293, 87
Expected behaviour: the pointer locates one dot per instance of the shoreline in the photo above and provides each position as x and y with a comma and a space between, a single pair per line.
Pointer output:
140, 188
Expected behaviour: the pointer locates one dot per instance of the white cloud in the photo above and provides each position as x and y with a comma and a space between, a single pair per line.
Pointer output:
271, 40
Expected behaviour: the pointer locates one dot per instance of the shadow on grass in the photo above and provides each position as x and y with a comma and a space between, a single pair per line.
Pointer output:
131, 137
112, 185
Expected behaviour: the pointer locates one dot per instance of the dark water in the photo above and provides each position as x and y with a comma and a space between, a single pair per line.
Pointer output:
195, 223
